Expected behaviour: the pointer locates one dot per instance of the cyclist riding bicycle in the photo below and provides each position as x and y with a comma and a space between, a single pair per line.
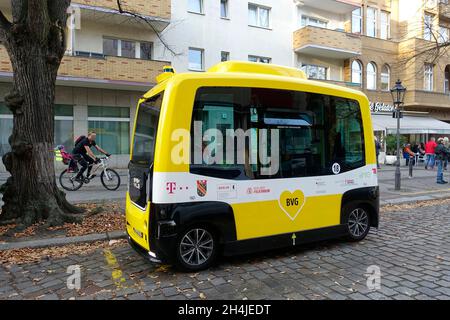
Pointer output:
83, 154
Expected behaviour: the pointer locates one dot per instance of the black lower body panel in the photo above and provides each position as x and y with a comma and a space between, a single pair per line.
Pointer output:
283, 240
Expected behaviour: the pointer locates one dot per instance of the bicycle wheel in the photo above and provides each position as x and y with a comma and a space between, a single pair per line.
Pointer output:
67, 181
110, 180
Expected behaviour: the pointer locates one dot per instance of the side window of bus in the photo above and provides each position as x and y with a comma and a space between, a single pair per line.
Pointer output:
214, 119
259, 133
349, 129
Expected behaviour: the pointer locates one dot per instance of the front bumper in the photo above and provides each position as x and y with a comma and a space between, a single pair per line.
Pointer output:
147, 255
163, 247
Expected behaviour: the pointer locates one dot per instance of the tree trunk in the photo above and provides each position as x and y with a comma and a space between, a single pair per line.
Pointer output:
31, 195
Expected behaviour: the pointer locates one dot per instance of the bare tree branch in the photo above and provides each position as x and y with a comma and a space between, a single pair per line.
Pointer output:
149, 23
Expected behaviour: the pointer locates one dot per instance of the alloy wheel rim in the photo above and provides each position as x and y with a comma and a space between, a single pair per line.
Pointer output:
196, 247
358, 222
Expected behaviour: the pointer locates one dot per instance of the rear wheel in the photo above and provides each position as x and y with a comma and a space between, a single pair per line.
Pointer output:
196, 248
358, 222
110, 179
68, 182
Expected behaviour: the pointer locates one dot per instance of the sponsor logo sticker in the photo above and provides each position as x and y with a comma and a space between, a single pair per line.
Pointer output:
202, 187
226, 191
258, 190
171, 187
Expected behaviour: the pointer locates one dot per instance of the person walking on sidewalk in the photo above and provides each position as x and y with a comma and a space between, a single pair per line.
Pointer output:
442, 153
447, 145
377, 151
409, 154
430, 148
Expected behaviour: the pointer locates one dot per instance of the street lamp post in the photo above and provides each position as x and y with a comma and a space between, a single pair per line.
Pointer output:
398, 96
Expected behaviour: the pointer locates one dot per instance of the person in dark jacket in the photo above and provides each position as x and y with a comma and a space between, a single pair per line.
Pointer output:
442, 153
377, 151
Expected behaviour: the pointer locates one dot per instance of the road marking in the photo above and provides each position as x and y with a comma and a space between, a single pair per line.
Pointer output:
117, 274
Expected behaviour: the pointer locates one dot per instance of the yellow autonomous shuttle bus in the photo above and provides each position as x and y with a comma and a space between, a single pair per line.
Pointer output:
306, 170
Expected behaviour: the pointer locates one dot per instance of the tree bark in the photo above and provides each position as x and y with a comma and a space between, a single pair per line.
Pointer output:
35, 44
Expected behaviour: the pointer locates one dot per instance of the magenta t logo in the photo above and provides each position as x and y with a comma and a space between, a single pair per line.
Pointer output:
171, 186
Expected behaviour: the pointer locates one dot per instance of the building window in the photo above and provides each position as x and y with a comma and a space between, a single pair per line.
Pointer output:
447, 80
309, 21
428, 27
224, 56
258, 16
195, 6
224, 9
428, 77
357, 20
110, 47
385, 78
357, 72
6, 128
146, 50
64, 126
371, 25
371, 76
259, 59
196, 59
127, 48
315, 72
385, 31
443, 35
112, 125
63, 130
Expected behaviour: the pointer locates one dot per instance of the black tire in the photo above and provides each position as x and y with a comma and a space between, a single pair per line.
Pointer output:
357, 221
204, 255
112, 185
67, 183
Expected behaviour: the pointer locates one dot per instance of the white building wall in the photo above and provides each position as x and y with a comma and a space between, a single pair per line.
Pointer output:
210, 32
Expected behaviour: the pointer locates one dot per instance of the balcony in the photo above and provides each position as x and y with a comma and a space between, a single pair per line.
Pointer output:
151, 8
420, 98
326, 43
97, 71
336, 6
444, 11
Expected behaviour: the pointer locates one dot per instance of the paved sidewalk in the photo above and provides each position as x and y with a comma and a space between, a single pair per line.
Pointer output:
421, 187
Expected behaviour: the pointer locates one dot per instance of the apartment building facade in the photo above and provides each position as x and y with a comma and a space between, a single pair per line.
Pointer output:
363, 44
111, 59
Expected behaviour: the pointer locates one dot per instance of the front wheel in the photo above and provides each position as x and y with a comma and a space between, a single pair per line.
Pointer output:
110, 179
196, 249
68, 182
358, 223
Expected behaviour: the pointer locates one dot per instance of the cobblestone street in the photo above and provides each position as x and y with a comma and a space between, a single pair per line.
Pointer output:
412, 250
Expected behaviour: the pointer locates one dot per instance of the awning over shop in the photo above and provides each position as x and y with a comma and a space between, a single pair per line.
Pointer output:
409, 124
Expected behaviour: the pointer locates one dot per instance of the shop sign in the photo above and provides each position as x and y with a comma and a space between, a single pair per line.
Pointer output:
376, 107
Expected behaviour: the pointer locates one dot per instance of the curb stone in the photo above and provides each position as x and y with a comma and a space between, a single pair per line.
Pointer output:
55, 242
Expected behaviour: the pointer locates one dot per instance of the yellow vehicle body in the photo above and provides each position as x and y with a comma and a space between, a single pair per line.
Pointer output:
255, 209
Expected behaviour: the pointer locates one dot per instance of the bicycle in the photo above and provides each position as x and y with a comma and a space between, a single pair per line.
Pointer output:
110, 178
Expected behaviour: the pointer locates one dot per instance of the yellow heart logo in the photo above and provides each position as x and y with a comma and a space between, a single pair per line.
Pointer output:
292, 203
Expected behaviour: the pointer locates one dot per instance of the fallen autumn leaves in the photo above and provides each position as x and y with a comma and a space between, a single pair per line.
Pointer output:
98, 219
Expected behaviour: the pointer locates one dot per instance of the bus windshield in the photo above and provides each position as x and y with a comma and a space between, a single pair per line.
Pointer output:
146, 129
